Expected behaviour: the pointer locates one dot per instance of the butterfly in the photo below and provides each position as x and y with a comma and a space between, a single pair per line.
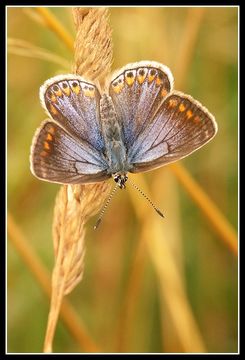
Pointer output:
138, 123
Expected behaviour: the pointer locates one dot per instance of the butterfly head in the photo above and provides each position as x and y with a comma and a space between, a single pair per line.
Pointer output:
120, 179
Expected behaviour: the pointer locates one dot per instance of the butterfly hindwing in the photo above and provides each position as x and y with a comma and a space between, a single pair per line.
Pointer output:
180, 126
57, 156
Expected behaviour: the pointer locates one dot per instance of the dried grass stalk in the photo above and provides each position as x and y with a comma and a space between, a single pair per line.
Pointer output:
93, 45
75, 204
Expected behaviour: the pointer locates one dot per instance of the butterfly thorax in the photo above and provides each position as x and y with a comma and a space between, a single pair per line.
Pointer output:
115, 151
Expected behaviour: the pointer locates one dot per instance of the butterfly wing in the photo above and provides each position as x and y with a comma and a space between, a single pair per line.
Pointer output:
69, 150
74, 104
180, 126
57, 156
137, 90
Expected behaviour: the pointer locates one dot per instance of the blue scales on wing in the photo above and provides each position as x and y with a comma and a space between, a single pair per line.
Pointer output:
137, 91
69, 148
74, 104
159, 125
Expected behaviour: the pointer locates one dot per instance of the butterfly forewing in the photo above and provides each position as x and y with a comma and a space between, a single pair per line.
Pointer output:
57, 156
180, 126
137, 91
74, 104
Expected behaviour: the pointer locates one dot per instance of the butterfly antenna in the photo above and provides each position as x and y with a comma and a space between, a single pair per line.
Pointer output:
146, 197
105, 207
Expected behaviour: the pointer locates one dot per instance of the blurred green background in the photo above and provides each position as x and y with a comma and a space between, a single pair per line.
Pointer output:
209, 268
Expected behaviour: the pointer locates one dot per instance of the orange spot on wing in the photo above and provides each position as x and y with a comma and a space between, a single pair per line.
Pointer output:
181, 107
197, 119
141, 78
58, 92
53, 110
53, 98
189, 114
46, 145
164, 92
130, 80
49, 137
118, 88
89, 93
150, 78
51, 130
76, 89
67, 90
159, 81
172, 103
